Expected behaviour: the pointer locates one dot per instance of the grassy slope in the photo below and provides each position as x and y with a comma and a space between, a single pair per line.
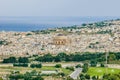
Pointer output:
99, 71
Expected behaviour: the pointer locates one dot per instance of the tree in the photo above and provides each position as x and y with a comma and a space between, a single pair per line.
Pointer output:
85, 68
102, 65
94, 78
111, 76
57, 59
82, 77
93, 63
27, 76
87, 76
61, 74
117, 55
39, 65
48, 58
23, 60
62, 56
10, 60
84, 24
111, 57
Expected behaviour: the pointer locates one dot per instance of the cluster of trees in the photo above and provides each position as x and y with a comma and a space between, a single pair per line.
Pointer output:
71, 57
15, 60
104, 77
36, 65
84, 77
43, 31
33, 75
97, 24
21, 64
28, 34
105, 32
111, 76
3, 42
100, 24
99, 57
70, 27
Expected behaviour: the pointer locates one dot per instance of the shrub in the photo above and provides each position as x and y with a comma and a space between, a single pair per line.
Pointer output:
69, 78
94, 78
82, 77
102, 65
87, 76
78, 66
58, 66
61, 74
70, 68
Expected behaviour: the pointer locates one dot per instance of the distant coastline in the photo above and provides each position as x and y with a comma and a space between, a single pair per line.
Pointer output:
24, 24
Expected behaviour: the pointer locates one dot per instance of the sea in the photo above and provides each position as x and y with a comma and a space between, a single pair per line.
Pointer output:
33, 23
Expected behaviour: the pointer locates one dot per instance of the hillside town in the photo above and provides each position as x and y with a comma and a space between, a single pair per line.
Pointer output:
95, 39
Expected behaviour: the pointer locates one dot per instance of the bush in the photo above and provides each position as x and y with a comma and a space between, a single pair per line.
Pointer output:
102, 65
82, 77
58, 66
78, 66
69, 78
61, 74
94, 78
70, 68
87, 76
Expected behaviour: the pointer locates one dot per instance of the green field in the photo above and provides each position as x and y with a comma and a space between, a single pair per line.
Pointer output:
99, 71
25, 69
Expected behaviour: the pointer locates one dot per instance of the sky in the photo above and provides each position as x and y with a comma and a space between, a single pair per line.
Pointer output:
59, 8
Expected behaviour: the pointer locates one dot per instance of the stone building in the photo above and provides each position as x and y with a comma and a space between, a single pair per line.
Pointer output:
61, 40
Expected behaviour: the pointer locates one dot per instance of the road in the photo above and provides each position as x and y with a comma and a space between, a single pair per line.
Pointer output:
76, 73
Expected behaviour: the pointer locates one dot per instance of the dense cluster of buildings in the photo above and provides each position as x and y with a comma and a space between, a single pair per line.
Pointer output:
88, 40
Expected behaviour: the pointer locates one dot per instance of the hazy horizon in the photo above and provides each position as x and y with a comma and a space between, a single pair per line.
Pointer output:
59, 8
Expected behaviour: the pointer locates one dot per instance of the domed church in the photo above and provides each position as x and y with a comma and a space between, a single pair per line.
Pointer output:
61, 39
